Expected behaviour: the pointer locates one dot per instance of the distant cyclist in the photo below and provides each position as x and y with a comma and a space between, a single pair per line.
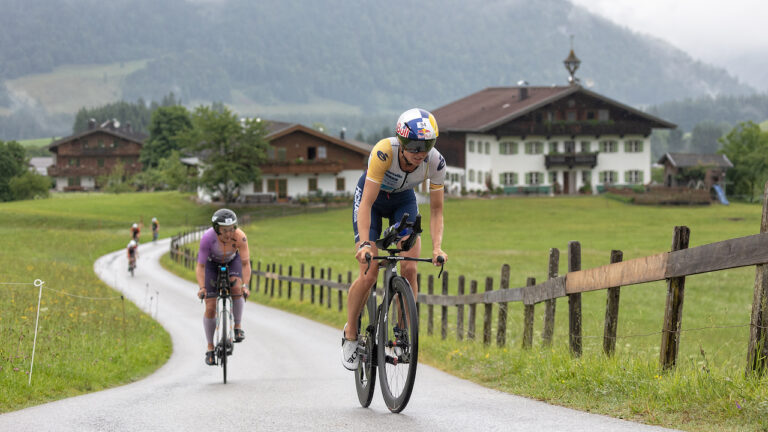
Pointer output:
222, 244
133, 253
155, 229
135, 231
396, 166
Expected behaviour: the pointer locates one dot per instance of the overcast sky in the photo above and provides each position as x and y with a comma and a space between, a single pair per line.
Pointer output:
731, 34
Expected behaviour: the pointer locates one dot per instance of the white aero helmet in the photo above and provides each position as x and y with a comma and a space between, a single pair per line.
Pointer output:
417, 130
132, 243
135, 225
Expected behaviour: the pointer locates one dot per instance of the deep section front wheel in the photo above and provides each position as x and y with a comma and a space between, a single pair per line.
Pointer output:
365, 375
398, 345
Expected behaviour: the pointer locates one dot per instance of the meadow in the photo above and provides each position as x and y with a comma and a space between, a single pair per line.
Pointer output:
706, 391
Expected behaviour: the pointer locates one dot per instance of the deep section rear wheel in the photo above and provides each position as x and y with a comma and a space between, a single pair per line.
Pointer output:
365, 375
223, 342
398, 345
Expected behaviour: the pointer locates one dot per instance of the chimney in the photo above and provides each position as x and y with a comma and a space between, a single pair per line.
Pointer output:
522, 89
342, 133
91, 123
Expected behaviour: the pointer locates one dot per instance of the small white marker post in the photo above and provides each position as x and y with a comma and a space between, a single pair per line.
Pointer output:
38, 283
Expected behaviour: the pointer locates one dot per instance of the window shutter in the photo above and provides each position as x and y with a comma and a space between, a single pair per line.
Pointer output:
640, 175
626, 176
627, 148
640, 148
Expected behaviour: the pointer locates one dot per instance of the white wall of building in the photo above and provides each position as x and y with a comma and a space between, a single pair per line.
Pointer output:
487, 159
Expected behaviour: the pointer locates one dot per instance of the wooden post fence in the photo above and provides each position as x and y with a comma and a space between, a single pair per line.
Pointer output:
488, 313
550, 305
528, 311
673, 312
612, 311
757, 352
472, 312
460, 312
574, 301
444, 310
501, 331
430, 308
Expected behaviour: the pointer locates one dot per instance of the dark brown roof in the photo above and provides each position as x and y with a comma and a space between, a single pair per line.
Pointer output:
123, 133
685, 160
299, 127
488, 108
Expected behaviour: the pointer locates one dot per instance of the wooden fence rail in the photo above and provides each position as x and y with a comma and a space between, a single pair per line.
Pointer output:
672, 266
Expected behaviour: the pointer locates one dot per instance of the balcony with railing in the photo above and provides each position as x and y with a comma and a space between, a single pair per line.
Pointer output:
317, 166
571, 160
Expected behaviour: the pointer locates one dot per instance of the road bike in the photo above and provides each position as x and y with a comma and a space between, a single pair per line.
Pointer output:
388, 334
225, 322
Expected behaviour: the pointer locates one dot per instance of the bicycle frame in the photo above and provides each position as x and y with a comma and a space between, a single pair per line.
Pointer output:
224, 319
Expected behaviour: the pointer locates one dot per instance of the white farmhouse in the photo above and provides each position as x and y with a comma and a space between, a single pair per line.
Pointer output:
549, 140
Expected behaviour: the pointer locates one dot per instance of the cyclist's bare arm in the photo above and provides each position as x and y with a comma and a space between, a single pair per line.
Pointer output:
200, 276
436, 224
370, 192
245, 255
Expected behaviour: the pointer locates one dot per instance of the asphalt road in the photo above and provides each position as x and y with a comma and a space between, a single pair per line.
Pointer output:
286, 375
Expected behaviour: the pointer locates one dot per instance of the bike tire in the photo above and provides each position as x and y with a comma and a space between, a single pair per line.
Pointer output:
397, 378
365, 375
223, 341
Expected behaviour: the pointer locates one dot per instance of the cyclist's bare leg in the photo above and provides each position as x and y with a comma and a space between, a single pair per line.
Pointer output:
237, 296
358, 294
210, 313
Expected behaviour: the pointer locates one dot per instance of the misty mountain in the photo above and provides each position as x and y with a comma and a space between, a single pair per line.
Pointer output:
376, 56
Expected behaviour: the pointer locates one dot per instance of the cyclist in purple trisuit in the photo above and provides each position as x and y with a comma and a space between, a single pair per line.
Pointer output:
222, 244
396, 166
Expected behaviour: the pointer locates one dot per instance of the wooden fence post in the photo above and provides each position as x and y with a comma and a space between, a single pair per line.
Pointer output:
266, 280
444, 310
290, 274
550, 305
488, 313
330, 279
280, 282
258, 278
673, 312
430, 308
339, 295
501, 331
460, 312
574, 301
321, 287
472, 312
612, 311
272, 284
301, 285
312, 286
758, 333
528, 315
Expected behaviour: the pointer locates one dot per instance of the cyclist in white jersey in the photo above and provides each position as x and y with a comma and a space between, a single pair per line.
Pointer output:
396, 166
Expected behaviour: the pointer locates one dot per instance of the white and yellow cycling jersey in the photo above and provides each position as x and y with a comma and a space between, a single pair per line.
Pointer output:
384, 168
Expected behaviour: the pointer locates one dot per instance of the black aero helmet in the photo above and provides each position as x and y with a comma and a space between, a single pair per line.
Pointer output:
223, 217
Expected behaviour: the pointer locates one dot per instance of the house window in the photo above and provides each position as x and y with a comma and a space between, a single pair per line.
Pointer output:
73, 181
603, 115
534, 147
85, 143
311, 153
271, 153
569, 147
534, 178
101, 143
487, 147
586, 176
281, 153
590, 115
608, 177
508, 179
340, 184
472, 175
586, 146
552, 177
633, 146
113, 144
258, 186
471, 146
74, 162
552, 147
312, 184
633, 177
570, 115
507, 147
321, 152
609, 146
101, 163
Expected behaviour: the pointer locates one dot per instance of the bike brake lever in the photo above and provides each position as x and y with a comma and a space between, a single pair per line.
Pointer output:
441, 260
368, 259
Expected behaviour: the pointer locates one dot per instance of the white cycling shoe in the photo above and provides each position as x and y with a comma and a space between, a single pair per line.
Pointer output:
348, 352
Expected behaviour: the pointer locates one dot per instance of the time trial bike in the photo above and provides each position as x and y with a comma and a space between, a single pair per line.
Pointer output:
225, 322
388, 334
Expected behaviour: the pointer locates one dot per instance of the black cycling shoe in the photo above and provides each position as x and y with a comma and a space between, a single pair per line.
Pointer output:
210, 358
239, 335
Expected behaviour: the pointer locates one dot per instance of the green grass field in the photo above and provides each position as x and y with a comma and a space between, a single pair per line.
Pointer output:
707, 391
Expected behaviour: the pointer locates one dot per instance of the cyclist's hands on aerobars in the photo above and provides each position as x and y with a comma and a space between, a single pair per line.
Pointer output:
436, 253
